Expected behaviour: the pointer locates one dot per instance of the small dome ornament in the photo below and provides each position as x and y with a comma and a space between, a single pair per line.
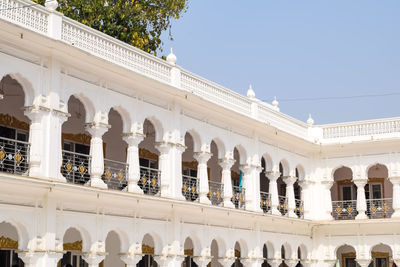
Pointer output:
310, 120
250, 92
275, 103
52, 5
171, 58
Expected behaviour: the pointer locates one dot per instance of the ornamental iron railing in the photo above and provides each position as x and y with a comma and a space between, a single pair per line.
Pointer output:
299, 210
149, 180
379, 208
265, 202
283, 205
115, 174
344, 210
190, 187
14, 156
75, 167
239, 197
216, 193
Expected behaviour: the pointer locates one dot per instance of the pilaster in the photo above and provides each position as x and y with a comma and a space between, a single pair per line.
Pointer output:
94, 259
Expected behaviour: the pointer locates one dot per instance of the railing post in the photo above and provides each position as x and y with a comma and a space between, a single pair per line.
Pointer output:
133, 140
55, 20
273, 191
361, 201
289, 181
202, 175
396, 196
97, 130
226, 164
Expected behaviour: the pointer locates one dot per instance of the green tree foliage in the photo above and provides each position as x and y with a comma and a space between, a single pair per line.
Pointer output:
136, 22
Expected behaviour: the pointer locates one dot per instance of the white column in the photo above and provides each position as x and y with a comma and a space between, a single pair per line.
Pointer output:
361, 202
226, 164
164, 166
396, 196
274, 262
273, 191
93, 259
253, 262
202, 175
202, 261
36, 141
363, 262
171, 179
40, 259
97, 130
170, 260
132, 159
291, 262
251, 183
175, 159
290, 180
131, 259
326, 200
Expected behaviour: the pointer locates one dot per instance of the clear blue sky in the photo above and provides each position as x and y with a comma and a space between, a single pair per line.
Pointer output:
297, 49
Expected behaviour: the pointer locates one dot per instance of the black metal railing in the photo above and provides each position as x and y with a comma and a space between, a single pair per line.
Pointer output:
265, 202
239, 197
149, 180
115, 174
216, 193
75, 167
14, 156
190, 187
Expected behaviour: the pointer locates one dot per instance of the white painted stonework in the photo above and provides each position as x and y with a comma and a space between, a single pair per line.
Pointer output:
112, 157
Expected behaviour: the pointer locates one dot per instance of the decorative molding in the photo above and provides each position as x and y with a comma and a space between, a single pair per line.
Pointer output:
10, 121
144, 153
190, 164
188, 252
80, 138
147, 250
76, 246
8, 243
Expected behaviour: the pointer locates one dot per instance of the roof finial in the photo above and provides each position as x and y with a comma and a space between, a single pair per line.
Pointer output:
275, 103
52, 4
310, 120
250, 92
171, 58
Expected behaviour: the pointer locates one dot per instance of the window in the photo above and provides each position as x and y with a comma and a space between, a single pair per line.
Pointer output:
76, 147
189, 172
74, 258
348, 192
8, 258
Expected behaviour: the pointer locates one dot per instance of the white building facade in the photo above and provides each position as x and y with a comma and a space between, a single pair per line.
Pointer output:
112, 157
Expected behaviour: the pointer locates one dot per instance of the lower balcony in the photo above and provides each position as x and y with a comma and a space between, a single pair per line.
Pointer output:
376, 209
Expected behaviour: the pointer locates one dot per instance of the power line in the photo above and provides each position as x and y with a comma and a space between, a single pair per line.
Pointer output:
336, 97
